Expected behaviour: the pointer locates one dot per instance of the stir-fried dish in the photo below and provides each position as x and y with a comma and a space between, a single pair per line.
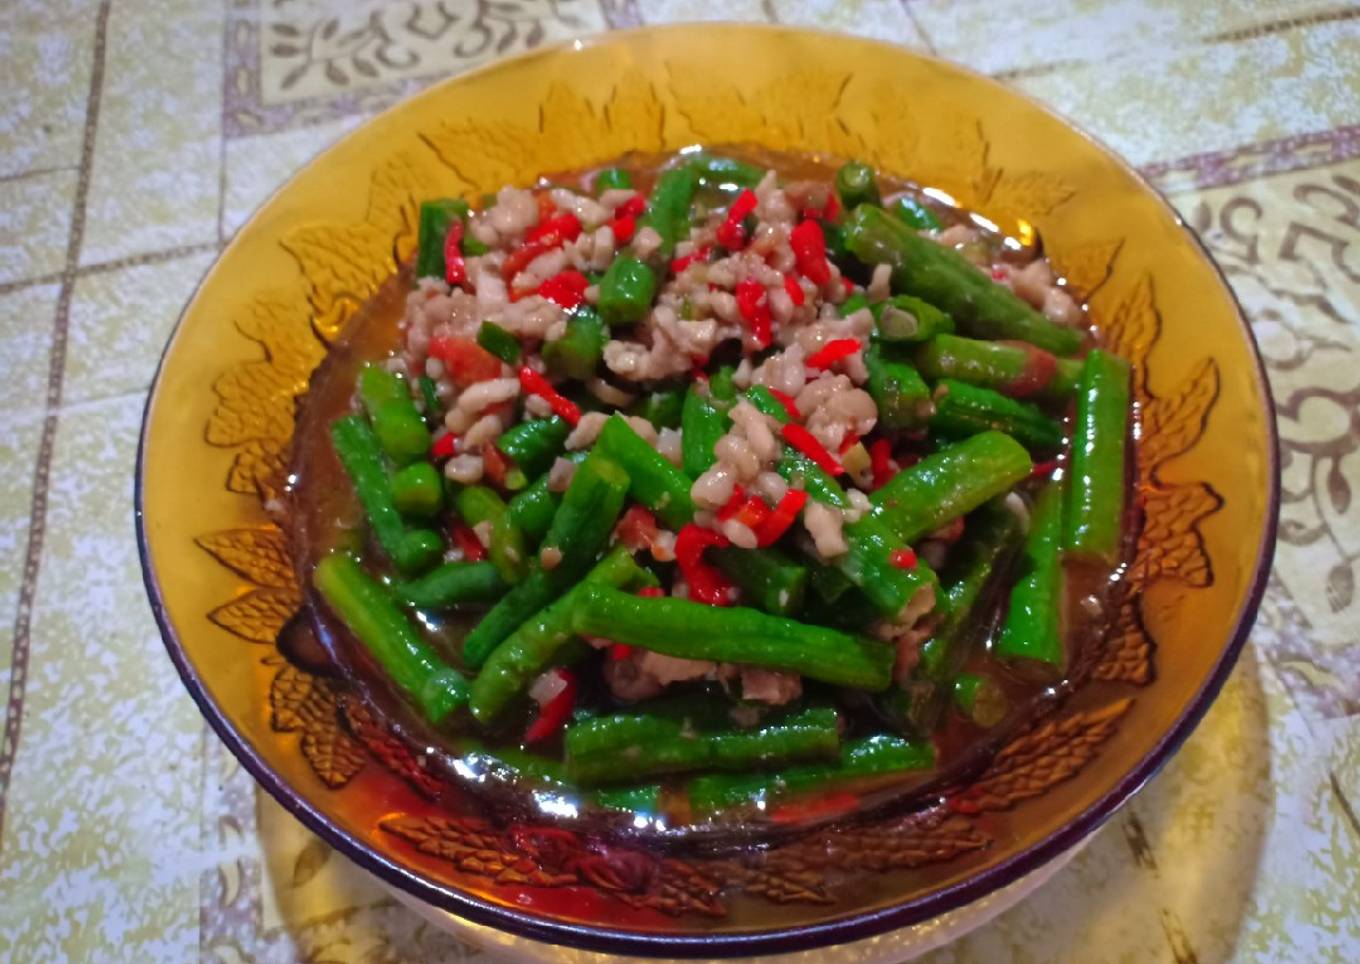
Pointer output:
714, 491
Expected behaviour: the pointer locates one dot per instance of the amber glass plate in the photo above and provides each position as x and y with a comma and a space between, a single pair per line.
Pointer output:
220, 418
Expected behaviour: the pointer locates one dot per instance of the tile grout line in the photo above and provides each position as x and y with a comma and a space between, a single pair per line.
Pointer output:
116, 264
920, 30
36, 172
222, 135
9, 746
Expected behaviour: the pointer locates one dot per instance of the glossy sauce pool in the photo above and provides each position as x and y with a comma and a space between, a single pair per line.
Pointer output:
322, 513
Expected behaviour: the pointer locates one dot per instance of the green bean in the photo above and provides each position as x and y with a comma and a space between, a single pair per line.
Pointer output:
638, 800
612, 179
975, 565
868, 760
802, 472
655, 482
1016, 369
829, 584
476, 504
768, 579
855, 185
914, 707
435, 218
434, 417
904, 318
1031, 634
664, 408
358, 451
690, 630
1094, 515
535, 444
668, 208
899, 391
579, 530
702, 423
721, 384
452, 584
716, 170
962, 410
578, 352
418, 490
499, 342
507, 550
949, 483
532, 509
396, 421
626, 291
980, 698
915, 214
412, 664
531, 648
834, 234
765, 402
609, 749
854, 303
946, 279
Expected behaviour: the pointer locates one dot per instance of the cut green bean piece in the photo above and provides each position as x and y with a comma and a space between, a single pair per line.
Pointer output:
626, 291
655, 482
722, 385
664, 408
690, 630
612, 179
452, 584
915, 707
418, 490
903, 318
499, 342
533, 508
531, 648
626, 746
579, 531
950, 483
702, 423
668, 208
951, 282
975, 565
1011, 368
867, 761
435, 688
507, 551
1094, 514
535, 444
962, 410
396, 421
578, 352
435, 218
915, 214
713, 169
980, 698
768, 579
434, 416
1031, 634
476, 504
357, 448
901, 394
856, 185
763, 399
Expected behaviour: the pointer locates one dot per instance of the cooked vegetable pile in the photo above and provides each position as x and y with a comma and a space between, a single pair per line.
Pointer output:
759, 485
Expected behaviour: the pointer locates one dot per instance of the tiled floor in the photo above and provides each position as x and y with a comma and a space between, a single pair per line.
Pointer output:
138, 135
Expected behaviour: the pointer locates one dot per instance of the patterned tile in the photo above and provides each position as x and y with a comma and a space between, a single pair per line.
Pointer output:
101, 833
119, 324
50, 63
983, 33
19, 436
1152, 104
690, 11
35, 223
157, 153
257, 165
308, 62
879, 19
26, 316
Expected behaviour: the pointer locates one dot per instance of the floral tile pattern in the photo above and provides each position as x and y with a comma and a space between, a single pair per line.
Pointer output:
122, 172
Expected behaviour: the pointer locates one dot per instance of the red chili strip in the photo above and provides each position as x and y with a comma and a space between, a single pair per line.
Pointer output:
631, 208
781, 517
568, 289
553, 715
465, 361
706, 583
752, 512
805, 442
730, 507
623, 228
444, 447
1043, 470
700, 253
731, 234
851, 440
809, 250
455, 269
787, 401
519, 259
535, 384
795, 290
651, 592
495, 464
546, 207
880, 461
832, 209
465, 539
555, 230
903, 558
832, 352
754, 306
637, 529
